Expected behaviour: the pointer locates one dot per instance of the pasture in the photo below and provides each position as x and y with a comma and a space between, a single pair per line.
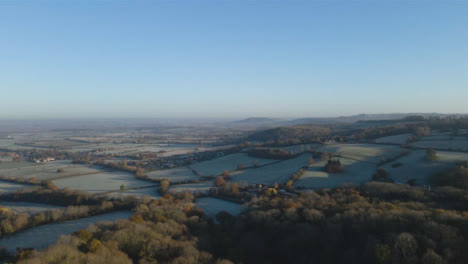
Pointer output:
278, 172
101, 182
173, 175
191, 187
27, 170
415, 166
457, 144
151, 192
212, 206
42, 236
354, 172
9, 187
229, 162
396, 139
29, 208
363, 152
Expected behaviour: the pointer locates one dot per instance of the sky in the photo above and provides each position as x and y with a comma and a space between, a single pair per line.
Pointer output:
231, 58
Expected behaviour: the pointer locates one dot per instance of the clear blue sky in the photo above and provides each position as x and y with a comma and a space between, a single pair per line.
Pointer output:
231, 58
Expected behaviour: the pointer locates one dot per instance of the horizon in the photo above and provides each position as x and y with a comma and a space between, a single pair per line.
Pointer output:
230, 60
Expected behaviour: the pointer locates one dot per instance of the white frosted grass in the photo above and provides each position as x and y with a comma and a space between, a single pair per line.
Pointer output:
212, 206
43, 236
217, 166
365, 152
101, 182
354, 172
29, 208
173, 175
279, 172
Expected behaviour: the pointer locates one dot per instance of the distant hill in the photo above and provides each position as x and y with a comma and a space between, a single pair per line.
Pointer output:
276, 122
292, 134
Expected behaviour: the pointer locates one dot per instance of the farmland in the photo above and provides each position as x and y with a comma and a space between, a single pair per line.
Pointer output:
415, 166
29, 208
9, 187
228, 163
101, 174
191, 187
396, 139
364, 152
212, 206
274, 173
101, 182
354, 172
43, 236
174, 175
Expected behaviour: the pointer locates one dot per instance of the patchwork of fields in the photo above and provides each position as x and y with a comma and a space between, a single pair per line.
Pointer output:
360, 162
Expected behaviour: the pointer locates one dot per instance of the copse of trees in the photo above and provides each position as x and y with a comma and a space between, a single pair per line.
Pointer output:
341, 226
431, 155
382, 175
455, 177
164, 186
283, 136
334, 166
158, 232
85, 205
375, 223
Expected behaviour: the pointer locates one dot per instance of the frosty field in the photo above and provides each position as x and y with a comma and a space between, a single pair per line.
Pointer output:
191, 187
354, 172
27, 170
365, 152
9, 187
415, 166
212, 206
101, 182
173, 175
151, 192
455, 144
217, 166
396, 139
29, 208
278, 172
45, 235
